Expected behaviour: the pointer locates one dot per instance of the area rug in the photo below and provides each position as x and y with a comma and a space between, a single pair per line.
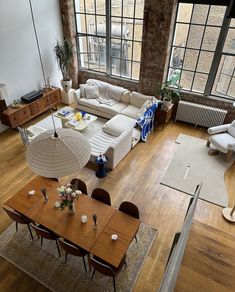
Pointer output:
89, 132
44, 265
192, 165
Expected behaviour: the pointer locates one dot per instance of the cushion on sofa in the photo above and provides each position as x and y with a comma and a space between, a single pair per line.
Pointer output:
131, 111
114, 109
137, 99
114, 92
82, 88
118, 124
102, 86
92, 103
126, 96
91, 90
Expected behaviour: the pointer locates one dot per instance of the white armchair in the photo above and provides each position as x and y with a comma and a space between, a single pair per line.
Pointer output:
223, 139
27, 135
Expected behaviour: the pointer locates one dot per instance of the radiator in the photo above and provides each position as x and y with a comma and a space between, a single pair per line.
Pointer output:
199, 114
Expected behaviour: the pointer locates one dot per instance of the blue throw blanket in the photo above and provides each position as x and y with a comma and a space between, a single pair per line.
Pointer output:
146, 122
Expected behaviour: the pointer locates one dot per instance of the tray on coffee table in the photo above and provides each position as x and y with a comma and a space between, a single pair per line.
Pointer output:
81, 124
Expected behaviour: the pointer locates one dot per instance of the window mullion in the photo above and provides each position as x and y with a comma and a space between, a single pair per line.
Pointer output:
217, 55
108, 37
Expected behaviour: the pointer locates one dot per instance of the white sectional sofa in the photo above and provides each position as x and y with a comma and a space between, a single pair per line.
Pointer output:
119, 105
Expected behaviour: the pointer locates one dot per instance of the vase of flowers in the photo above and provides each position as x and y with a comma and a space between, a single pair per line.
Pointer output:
67, 196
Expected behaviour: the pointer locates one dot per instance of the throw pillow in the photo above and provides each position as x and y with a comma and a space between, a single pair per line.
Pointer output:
91, 91
137, 99
82, 88
114, 92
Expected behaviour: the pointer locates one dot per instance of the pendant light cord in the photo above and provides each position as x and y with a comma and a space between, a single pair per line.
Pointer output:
43, 72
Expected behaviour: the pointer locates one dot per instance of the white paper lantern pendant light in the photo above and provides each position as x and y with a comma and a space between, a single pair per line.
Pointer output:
56, 152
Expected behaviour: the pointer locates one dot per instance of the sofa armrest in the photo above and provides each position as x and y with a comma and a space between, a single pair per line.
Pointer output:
218, 129
77, 95
118, 149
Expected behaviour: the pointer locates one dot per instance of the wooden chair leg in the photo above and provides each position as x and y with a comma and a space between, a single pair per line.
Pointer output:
41, 241
58, 247
30, 231
208, 143
84, 263
66, 255
16, 226
93, 274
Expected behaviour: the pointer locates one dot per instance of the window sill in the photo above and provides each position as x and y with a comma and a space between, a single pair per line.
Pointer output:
111, 77
208, 97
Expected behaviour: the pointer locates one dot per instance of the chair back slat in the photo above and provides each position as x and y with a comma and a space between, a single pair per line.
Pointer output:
71, 248
130, 209
101, 267
78, 184
101, 195
41, 232
17, 217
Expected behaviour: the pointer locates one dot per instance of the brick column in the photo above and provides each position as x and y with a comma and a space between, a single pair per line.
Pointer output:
157, 32
69, 30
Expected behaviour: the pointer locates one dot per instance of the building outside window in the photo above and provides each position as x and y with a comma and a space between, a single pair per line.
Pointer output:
203, 50
109, 36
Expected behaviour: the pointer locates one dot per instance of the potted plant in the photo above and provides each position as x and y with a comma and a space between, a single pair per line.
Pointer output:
63, 53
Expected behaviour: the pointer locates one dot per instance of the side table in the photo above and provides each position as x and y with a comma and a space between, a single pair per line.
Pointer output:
101, 161
163, 116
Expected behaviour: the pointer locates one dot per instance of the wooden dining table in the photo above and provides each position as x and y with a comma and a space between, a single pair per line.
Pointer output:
96, 241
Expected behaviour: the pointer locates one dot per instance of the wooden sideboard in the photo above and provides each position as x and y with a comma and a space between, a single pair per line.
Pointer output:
14, 117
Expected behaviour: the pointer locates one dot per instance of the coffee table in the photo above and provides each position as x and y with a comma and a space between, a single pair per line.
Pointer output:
82, 124
65, 119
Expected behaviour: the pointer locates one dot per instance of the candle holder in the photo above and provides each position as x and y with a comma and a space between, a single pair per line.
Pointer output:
44, 192
94, 217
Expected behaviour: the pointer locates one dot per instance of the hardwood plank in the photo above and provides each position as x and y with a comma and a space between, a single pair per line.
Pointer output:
136, 179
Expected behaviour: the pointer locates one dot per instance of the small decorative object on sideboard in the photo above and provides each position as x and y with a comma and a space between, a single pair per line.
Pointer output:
31, 193
67, 197
44, 192
94, 217
16, 103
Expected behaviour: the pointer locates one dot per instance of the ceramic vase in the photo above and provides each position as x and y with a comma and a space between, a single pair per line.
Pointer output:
71, 209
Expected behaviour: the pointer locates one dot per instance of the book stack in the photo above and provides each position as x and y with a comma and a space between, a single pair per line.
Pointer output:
64, 113
73, 123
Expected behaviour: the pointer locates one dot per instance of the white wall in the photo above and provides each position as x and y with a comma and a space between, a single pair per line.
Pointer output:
20, 67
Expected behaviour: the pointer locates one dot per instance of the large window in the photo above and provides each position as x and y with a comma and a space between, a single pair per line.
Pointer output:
203, 50
109, 36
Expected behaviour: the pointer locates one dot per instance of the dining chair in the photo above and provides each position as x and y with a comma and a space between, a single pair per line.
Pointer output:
78, 184
75, 250
130, 209
101, 195
105, 268
19, 218
43, 232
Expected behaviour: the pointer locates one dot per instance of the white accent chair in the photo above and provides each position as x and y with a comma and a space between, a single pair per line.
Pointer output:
223, 139
27, 135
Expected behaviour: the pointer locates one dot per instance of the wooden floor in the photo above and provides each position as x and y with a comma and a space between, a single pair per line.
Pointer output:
137, 179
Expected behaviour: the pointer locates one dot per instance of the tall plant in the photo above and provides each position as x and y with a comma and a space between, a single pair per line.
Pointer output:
63, 53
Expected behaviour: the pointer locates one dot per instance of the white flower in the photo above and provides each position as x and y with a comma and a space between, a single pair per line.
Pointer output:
58, 190
62, 188
73, 195
68, 190
78, 192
